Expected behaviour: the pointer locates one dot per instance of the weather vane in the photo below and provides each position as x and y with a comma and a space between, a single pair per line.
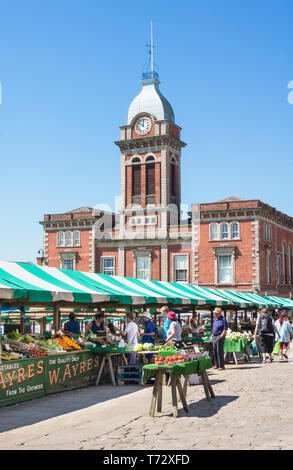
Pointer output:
151, 51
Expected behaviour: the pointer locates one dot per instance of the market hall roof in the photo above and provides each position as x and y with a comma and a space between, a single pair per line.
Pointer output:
151, 101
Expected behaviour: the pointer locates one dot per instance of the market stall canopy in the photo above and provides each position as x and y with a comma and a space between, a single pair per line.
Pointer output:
256, 300
283, 303
42, 284
45, 285
160, 292
10, 291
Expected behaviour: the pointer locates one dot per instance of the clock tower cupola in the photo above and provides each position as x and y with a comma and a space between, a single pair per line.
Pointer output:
150, 158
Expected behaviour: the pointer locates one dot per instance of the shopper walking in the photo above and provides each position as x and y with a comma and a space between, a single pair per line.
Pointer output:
265, 328
220, 327
284, 329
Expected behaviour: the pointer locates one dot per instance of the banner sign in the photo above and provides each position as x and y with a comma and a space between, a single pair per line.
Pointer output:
32, 378
72, 370
22, 380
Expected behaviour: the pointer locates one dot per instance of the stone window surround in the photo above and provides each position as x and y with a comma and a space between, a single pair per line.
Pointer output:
173, 266
219, 224
143, 159
142, 252
68, 255
268, 265
64, 239
224, 250
102, 263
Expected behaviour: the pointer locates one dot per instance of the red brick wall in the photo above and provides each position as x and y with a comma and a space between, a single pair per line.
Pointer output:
111, 252
155, 260
279, 235
177, 249
243, 262
83, 252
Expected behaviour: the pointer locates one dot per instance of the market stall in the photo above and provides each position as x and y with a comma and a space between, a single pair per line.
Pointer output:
59, 362
177, 366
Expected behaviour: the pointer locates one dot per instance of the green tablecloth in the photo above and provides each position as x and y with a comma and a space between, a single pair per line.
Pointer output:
187, 368
165, 353
239, 345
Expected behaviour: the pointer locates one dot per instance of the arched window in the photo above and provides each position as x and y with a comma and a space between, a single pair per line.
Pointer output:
224, 231
136, 182
136, 160
76, 238
60, 239
214, 231
284, 262
68, 238
150, 183
235, 230
150, 158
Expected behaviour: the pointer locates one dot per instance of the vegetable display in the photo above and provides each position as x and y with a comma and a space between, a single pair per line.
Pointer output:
49, 344
234, 336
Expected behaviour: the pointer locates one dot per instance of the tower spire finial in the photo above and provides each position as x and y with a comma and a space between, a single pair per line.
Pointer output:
150, 66
152, 50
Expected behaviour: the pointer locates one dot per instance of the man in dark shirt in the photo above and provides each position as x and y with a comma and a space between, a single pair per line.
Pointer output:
220, 328
72, 327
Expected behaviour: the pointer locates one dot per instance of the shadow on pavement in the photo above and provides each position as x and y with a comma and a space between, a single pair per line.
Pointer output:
243, 368
50, 406
214, 382
205, 409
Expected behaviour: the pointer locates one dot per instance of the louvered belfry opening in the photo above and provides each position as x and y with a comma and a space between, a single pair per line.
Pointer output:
136, 184
173, 183
150, 183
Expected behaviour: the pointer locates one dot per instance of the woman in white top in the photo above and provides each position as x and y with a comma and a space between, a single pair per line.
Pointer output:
132, 333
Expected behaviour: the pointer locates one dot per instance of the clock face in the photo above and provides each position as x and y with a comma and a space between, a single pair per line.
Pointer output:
143, 126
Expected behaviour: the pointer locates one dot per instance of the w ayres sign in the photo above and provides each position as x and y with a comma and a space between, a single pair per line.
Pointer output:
32, 378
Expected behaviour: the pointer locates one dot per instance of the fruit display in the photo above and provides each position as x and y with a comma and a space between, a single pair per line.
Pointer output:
63, 345
70, 342
179, 358
10, 356
37, 353
169, 360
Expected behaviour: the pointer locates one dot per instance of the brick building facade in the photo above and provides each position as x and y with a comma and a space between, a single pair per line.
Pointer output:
233, 243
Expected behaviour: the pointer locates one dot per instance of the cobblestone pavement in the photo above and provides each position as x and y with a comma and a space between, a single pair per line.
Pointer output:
253, 409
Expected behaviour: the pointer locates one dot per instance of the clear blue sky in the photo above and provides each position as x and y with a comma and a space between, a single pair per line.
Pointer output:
69, 70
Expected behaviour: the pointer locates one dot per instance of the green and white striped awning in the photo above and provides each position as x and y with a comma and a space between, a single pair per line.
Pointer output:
283, 303
44, 285
40, 284
257, 300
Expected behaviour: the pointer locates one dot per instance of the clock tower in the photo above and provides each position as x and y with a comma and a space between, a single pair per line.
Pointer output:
150, 161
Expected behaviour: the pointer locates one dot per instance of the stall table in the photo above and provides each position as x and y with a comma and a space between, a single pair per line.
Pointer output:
234, 346
108, 357
176, 371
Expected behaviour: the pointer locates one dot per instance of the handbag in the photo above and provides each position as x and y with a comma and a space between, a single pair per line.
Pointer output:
276, 350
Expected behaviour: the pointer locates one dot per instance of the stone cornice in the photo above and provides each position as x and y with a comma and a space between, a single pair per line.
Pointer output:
146, 142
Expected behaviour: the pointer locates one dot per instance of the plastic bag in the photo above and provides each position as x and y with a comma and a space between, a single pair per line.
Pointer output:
276, 350
254, 348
